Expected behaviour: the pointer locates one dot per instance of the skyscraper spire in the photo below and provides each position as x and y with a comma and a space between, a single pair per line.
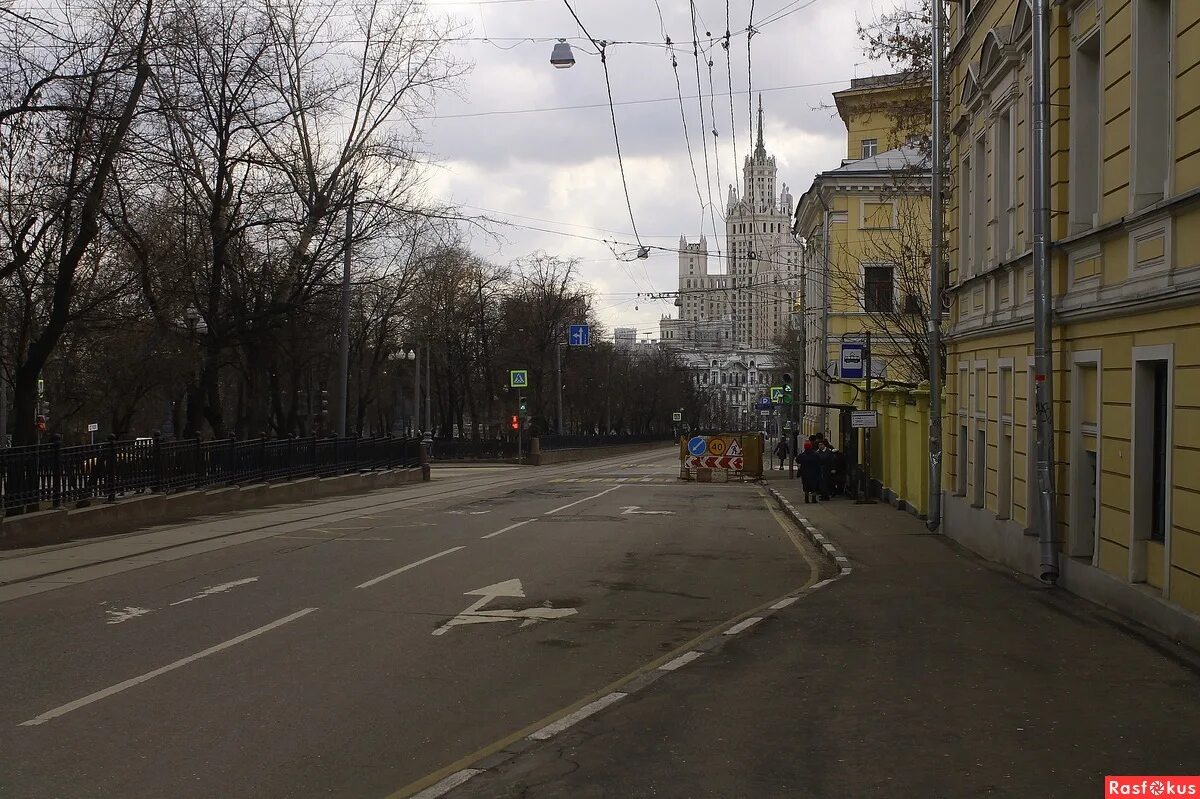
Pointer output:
760, 149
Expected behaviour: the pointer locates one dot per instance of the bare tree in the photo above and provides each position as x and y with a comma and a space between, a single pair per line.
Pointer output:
79, 93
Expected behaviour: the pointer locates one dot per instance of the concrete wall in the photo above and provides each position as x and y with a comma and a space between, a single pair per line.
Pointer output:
146, 510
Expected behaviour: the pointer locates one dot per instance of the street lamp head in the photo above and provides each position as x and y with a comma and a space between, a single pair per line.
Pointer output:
562, 57
412, 356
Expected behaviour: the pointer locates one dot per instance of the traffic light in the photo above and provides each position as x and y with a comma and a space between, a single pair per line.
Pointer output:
787, 389
324, 402
522, 406
515, 422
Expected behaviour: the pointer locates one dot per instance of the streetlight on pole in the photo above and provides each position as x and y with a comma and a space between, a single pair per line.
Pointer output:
197, 327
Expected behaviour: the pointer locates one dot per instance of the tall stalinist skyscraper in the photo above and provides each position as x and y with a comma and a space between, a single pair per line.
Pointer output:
746, 301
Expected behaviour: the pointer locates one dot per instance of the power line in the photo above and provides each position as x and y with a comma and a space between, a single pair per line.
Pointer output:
613, 113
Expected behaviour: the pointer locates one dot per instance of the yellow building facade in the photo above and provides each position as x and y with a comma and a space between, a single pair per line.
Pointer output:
866, 226
1125, 262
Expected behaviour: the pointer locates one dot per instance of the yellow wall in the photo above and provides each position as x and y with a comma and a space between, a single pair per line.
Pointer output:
1134, 285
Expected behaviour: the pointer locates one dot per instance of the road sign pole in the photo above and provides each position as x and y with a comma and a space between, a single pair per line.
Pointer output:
867, 439
558, 382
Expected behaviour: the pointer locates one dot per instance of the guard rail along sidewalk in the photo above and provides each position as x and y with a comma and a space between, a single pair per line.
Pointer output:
50, 492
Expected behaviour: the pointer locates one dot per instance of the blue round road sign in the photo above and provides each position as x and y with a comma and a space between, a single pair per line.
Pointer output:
698, 446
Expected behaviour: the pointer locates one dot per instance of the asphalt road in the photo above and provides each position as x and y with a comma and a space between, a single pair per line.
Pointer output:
365, 653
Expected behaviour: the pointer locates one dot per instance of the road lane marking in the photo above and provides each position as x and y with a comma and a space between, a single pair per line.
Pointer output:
402, 569
679, 662
636, 510
580, 501
506, 529
745, 624
550, 730
783, 603
450, 783
217, 589
508, 588
62, 710
125, 614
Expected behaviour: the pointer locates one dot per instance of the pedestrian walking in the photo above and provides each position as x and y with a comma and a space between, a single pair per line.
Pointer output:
810, 472
781, 452
825, 463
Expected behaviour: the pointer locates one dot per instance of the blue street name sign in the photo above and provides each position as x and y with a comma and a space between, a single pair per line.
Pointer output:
579, 336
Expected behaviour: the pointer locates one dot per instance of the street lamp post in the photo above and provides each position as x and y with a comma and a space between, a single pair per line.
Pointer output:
197, 327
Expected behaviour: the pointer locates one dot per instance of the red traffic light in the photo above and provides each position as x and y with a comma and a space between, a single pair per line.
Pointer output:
516, 422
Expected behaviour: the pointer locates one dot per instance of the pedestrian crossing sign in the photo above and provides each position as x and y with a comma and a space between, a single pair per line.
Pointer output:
776, 395
518, 378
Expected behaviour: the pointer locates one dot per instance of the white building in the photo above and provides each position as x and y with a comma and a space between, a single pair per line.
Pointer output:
744, 302
625, 338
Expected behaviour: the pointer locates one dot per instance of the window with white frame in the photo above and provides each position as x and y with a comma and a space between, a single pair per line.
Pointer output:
1086, 124
1004, 178
879, 288
1152, 118
870, 148
979, 223
964, 211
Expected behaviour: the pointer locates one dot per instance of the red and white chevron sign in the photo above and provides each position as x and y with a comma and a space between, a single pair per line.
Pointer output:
714, 462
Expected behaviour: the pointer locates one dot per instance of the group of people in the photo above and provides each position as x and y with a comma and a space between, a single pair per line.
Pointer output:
822, 468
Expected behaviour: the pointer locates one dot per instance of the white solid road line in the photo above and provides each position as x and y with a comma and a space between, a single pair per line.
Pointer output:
682, 660
578, 501
506, 529
550, 730
450, 783
742, 625
62, 710
402, 569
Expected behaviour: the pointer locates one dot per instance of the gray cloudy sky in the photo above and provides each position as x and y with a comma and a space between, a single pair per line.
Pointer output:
561, 165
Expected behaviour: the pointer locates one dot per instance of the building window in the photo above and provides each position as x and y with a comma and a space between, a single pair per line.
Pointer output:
964, 215
1152, 77
1005, 210
870, 147
1161, 450
1086, 123
878, 289
979, 206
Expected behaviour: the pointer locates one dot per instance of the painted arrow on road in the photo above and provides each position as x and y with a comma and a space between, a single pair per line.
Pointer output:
636, 510
509, 588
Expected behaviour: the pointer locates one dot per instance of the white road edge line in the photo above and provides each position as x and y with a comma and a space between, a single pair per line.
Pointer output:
62, 710
681, 661
506, 529
550, 730
743, 625
448, 784
413, 565
783, 603
579, 501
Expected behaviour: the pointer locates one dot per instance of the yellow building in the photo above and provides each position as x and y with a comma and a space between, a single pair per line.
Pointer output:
866, 258
1125, 262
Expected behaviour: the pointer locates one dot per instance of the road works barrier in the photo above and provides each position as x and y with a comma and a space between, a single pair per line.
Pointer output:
721, 457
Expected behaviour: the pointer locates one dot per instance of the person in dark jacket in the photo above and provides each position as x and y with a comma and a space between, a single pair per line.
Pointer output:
825, 463
810, 472
782, 450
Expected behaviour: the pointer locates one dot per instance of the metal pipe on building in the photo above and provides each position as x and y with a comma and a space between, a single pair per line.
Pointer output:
1042, 285
937, 228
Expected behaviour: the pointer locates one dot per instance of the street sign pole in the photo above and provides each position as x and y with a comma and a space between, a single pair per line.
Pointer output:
558, 380
866, 480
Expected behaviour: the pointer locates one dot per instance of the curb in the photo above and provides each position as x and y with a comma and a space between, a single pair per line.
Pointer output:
827, 547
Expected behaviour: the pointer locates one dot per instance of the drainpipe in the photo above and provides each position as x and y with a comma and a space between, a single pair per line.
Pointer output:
1042, 310
824, 317
934, 518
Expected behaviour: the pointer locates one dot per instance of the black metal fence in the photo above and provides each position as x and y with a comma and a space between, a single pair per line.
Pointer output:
57, 475
578, 442
459, 449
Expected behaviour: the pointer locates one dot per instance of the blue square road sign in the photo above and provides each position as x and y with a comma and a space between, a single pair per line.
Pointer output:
579, 336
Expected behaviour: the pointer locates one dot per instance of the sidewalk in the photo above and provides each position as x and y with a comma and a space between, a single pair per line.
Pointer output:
926, 672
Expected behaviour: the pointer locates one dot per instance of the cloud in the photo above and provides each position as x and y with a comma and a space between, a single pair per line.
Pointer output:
561, 165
